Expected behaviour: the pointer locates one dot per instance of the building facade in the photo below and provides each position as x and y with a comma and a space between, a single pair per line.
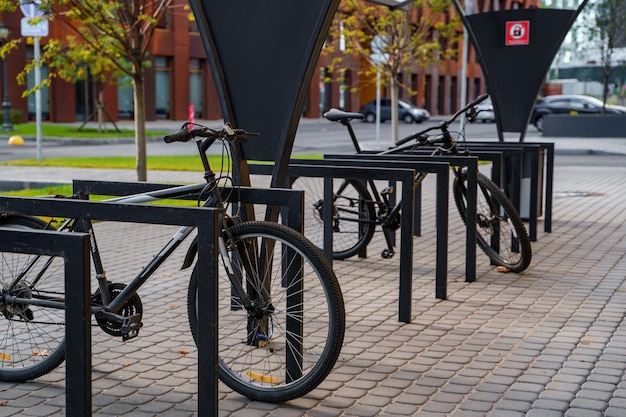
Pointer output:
179, 81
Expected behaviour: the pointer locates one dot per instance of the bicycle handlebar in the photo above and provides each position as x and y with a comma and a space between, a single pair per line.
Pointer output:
443, 125
227, 132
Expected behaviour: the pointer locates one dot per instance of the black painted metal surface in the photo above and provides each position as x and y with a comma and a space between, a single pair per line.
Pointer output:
263, 57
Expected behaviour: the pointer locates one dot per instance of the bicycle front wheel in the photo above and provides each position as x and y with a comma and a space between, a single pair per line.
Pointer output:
353, 218
32, 336
286, 342
500, 232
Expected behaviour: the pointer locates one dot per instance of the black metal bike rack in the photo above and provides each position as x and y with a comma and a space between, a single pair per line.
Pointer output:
350, 170
74, 248
532, 151
78, 382
441, 169
291, 201
471, 163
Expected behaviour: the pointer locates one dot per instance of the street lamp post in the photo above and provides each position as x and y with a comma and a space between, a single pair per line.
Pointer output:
6, 104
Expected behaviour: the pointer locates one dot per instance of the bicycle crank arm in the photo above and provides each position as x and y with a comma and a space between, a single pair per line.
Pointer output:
129, 325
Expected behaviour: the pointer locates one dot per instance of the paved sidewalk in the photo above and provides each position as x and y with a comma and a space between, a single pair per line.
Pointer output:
548, 342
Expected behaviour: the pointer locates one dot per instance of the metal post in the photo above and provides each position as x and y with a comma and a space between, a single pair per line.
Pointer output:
6, 104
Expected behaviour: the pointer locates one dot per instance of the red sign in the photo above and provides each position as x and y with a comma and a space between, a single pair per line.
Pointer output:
517, 32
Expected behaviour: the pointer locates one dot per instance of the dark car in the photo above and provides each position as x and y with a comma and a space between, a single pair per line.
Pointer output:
569, 104
407, 112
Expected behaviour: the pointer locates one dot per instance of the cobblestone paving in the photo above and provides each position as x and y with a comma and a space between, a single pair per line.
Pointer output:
547, 342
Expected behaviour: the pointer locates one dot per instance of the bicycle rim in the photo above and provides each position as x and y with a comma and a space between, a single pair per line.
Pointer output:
354, 215
32, 338
287, 351
500, 232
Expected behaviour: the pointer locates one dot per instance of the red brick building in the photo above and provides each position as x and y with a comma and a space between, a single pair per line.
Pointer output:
180, 77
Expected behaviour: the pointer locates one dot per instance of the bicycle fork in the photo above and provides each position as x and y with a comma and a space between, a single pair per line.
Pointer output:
250, 262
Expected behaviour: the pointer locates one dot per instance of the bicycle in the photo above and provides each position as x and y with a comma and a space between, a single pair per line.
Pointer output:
501, 233
281, 319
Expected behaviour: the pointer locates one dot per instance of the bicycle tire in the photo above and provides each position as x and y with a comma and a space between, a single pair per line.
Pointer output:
354, 215
253, 350
32, 338
495, 212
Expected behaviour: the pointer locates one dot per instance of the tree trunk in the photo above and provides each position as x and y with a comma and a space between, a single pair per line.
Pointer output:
394, 111
99, 105
140, 127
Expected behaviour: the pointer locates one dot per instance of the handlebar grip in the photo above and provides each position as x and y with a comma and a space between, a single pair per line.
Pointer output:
479, 99
182, 136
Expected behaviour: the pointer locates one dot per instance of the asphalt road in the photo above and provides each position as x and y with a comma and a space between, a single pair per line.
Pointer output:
313, 137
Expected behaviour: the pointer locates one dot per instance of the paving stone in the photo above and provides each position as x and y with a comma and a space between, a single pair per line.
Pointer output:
546, 342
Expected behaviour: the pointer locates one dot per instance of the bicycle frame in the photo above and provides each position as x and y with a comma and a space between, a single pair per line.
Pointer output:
110, 306
388, 211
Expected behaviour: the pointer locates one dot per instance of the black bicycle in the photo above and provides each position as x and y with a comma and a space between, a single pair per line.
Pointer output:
501, 233
281, 318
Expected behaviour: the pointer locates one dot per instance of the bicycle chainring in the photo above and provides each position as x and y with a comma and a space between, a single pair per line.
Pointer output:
132, 307
394, 224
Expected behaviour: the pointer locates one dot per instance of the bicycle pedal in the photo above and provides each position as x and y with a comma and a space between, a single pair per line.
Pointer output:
130, 327
387, 191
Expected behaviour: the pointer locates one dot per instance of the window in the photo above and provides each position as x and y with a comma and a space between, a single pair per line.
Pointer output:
125, 101
164, 20
195, 86
162, 87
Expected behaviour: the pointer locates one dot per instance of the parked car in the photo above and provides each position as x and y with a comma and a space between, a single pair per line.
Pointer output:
569, 104
485, 112
407, 112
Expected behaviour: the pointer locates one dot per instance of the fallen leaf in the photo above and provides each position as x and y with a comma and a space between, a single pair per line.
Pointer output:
183, 352
503, 269
43, 353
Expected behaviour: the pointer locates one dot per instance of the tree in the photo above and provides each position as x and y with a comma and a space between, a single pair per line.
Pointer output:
72, 60
120, 34
610, 28
392, 41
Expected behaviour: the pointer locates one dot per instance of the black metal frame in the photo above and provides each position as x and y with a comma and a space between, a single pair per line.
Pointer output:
275, 65
527, 63
471, 163
346, 169
74, 248
204, 219
514, 155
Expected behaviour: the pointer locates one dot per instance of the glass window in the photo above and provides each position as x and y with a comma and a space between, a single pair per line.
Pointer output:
164, 21
125, 100
162, 87
195, 86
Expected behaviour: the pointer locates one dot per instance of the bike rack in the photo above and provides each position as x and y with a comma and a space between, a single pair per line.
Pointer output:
78, 369
318, 169
471, 163
291, 201
74, 248
442, 171
528, 150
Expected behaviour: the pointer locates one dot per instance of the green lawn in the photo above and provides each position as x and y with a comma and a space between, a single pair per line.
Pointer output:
66, 131
157, 163
165, 163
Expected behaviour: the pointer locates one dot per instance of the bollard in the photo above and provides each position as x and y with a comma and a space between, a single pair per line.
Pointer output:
16, 140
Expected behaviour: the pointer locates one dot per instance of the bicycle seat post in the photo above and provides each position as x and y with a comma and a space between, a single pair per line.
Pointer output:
355, 142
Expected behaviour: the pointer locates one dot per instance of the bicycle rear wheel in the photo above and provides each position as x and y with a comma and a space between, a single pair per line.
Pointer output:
500, 232
32, 337
354, 215
284, 347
